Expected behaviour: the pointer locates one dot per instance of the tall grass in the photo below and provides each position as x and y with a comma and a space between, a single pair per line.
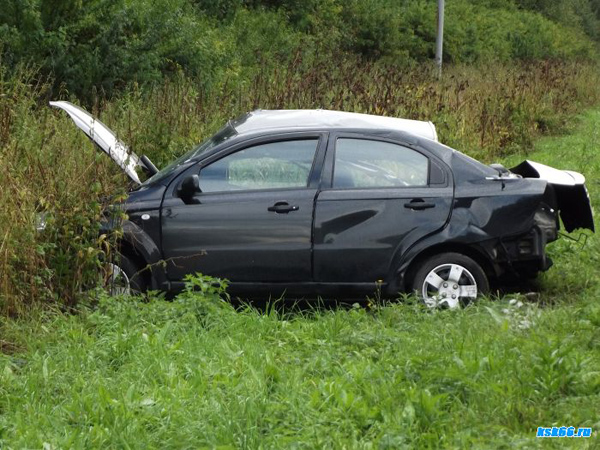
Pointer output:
46, 164
195, 373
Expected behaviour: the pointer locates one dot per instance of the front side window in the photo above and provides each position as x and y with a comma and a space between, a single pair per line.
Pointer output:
364, 163
276, 165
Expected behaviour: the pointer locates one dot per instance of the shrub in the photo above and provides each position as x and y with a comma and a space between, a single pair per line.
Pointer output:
107, 45
43, 168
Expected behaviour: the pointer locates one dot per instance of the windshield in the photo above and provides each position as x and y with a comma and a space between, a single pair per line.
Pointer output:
222, 135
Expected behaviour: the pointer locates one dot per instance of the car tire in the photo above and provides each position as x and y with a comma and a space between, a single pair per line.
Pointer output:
125, 277
450, 280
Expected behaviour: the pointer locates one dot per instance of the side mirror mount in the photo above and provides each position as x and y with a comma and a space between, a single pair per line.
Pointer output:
189, 186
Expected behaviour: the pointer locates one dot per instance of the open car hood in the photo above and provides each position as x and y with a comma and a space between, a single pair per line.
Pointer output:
573, 200
104, 138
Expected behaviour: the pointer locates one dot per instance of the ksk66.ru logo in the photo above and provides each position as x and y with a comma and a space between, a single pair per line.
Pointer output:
563, 432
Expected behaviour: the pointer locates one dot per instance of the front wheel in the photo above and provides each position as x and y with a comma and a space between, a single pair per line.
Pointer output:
124, 277
450, 280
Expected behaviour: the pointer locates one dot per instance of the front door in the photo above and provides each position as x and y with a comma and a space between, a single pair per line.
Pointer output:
252, 222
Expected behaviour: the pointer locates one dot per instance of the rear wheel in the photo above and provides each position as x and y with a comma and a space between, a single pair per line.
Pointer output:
450, 280
125, 277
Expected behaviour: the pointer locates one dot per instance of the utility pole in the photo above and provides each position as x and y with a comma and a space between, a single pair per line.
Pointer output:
439, 42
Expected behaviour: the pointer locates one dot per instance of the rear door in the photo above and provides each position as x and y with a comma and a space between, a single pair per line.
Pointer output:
252, 222
379, 198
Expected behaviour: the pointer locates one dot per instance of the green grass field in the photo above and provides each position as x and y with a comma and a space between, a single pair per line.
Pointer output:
195, 373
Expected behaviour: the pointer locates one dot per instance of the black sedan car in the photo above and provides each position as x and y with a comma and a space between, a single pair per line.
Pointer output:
314, 202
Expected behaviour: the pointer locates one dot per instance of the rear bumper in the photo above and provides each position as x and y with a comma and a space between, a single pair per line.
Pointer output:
572, 198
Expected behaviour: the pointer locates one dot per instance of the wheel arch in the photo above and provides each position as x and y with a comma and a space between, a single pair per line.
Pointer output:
139, 247
126, 248
472, 252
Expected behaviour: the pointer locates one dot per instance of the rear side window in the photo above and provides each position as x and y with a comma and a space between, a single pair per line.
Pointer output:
364, 163
276, 165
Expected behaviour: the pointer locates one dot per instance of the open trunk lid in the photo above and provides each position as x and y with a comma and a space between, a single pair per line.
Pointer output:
573, 200
104, 138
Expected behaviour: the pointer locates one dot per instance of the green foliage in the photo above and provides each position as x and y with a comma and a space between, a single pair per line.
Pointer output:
106, 45
207, 289
147, 374
42, 169
577, 14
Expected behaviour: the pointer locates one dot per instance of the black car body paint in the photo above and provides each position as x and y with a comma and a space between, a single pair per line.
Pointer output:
326, 239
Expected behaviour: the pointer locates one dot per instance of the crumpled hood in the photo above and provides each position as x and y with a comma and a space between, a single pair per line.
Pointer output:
572, 198
104, 138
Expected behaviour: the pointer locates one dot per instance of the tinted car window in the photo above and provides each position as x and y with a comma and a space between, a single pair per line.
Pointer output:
225, 133
284, 164
363, 163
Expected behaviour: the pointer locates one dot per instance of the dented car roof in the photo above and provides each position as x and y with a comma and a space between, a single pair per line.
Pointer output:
263, 119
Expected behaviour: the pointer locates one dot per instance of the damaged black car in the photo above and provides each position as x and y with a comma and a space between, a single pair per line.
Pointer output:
326, 203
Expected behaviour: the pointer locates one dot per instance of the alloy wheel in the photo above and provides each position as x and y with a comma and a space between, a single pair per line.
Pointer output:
449, 286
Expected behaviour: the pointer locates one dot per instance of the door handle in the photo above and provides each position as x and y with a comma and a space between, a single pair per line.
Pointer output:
418, 204
282, 208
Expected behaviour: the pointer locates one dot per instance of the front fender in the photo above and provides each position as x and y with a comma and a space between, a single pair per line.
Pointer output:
143, 247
